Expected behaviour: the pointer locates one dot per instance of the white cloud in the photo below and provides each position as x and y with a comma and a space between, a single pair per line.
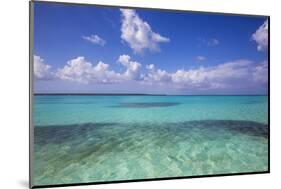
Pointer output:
260, 73
261, 37
150, 66
138, 33
95, 39
227, 75
220, 76
82, 71
200, 58
156, 75
133, 67
41, 70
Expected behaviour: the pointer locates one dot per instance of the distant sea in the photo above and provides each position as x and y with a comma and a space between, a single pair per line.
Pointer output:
92, 138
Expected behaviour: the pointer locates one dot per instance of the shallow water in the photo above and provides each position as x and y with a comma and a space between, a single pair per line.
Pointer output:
106, 138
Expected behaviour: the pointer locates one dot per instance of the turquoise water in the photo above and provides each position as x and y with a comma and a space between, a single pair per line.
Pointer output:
104, 138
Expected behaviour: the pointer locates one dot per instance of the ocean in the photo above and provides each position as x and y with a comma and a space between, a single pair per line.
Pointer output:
96, 138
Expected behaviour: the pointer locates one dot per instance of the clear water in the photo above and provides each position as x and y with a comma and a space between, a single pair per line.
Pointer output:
104, 138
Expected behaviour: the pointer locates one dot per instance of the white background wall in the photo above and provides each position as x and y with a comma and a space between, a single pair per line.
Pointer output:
14, 85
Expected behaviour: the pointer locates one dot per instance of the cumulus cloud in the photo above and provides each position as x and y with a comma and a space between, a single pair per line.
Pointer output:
95, 39
226, 75
214, 77
41, 70
138, 33
133, 67
200, 58
82, 71
261, 37
156, 75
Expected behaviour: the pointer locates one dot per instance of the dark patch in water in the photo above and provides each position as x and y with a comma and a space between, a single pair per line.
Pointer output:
96, 132
243, 127
145, 104
63, 133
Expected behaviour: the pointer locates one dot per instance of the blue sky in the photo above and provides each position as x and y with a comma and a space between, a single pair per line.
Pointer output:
110, 50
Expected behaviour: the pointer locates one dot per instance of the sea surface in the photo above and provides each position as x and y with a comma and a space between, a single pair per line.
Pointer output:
89, 138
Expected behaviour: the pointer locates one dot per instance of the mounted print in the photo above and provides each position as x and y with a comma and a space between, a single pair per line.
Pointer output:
121, 94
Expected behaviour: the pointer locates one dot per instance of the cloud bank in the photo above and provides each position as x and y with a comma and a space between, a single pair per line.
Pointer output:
228, 75
138, 33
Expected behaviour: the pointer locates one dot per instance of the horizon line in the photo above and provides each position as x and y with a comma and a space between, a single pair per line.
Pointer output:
146, 94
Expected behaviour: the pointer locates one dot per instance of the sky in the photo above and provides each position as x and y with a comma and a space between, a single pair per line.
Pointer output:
95, 49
